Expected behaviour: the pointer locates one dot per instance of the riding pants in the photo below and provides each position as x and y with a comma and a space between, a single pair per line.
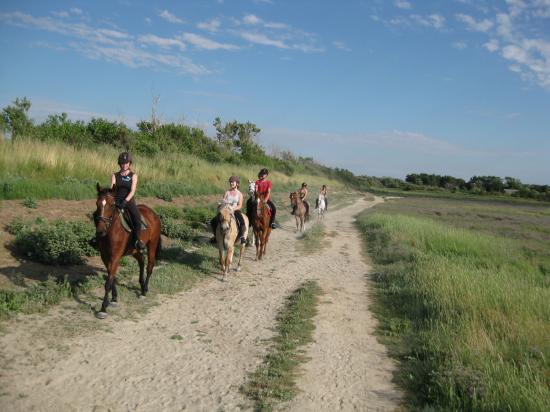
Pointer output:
132, 209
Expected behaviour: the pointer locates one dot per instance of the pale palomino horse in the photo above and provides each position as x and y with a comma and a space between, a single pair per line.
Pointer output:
226, 235
299, 211
321, 206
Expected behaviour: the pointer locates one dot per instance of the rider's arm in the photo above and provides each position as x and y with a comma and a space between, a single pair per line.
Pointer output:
113, 181
240, 204
133, 190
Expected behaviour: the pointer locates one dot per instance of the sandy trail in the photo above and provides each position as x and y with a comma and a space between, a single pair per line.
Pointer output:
138, 366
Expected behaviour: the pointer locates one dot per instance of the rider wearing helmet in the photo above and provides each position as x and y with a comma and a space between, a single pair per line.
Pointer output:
124, 182
235, 198
263, 186
302, 192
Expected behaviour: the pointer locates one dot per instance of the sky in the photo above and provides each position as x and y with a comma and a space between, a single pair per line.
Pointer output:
381, 88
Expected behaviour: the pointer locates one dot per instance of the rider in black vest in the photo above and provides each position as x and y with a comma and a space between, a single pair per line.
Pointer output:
125, 182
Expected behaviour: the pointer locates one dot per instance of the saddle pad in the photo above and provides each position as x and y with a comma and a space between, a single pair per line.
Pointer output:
127, 223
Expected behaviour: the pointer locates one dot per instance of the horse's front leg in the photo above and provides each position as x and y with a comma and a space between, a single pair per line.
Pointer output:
241, 252
111, 274
222, 260
228, 260
258, 236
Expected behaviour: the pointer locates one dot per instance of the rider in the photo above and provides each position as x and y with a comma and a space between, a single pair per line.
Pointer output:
235, 198
302, 192
263, 186
124, 182
323, 192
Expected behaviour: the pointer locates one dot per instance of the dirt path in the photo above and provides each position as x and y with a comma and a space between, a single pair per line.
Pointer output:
126, 365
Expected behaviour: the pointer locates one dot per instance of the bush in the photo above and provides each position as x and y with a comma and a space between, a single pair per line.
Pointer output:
198, 217
30, 203
176, 230
57, 243
171, 212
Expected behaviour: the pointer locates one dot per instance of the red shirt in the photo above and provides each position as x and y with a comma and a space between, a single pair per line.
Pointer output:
262, 186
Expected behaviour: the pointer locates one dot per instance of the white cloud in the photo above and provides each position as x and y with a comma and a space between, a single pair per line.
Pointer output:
60, 13
340, 45
166, 15
251, 19
165, 43
473, 25
492, 45
259, 38
436, 21
204, 43
111, 45
460, 45
212, 25
402, 4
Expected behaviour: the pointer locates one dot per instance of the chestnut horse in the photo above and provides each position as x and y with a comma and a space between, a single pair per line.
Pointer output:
112, 240
226, 235
261, 226
299, 211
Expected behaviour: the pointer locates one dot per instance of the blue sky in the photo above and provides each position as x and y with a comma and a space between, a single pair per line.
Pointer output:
384, 88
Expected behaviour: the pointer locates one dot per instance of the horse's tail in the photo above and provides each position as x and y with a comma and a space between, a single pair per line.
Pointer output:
159, 248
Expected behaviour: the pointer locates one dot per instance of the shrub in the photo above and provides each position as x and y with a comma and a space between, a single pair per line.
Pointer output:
176, 230
30, 203
171, 212
57, 243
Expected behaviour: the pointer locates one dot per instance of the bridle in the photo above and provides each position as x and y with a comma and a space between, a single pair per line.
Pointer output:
106, 220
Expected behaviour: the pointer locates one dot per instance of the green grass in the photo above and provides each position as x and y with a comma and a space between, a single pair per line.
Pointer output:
31, 168
465, 311
313, 239
274, 380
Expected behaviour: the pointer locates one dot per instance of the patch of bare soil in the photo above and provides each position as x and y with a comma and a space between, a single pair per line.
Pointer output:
195, 349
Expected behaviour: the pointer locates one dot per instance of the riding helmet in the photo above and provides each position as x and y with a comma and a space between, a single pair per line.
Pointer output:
263, 172
124, 157
304, 184
235, 179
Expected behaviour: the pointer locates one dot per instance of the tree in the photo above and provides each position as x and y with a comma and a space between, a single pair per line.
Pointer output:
15, 118
239, 136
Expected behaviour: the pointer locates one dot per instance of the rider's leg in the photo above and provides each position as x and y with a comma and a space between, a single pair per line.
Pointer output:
136, 224
273, 213
240, 223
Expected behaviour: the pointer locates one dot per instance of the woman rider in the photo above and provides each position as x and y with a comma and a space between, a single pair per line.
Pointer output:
235, 198
263, 186
303, 195
124, 182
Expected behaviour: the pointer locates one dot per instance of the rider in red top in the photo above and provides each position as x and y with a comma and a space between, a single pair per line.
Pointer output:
263, 186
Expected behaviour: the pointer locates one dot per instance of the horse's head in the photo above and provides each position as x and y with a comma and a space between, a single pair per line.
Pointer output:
294, 196
251, 188
225, 215
105, 210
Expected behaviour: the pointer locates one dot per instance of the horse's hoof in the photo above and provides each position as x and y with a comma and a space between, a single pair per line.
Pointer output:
141, 297
238, 269
113, 303
101, 315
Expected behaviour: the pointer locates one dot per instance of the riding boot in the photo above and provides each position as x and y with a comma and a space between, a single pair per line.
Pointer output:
139, 245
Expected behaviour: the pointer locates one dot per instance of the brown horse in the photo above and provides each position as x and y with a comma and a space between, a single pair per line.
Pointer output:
112, 240
299, 211
226, 235
261, 226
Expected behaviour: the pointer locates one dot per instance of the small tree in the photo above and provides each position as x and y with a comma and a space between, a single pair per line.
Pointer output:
15, 118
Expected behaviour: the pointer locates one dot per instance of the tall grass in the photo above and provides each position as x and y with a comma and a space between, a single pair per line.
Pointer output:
467, 313
31, 168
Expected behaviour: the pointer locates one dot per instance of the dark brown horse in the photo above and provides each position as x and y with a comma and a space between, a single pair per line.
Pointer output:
299, 211
261, 226
113, 243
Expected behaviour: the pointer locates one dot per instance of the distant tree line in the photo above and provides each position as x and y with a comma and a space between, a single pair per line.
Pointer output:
481, 185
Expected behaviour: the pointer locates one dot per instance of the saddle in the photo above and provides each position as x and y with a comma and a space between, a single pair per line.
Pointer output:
126, 221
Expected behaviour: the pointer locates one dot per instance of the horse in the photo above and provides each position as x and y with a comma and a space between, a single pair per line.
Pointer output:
261, 226
250, 204
299, 211
113, 243
321, 206
226, 234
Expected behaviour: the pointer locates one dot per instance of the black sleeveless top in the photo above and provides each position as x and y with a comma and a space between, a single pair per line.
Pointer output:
123, 185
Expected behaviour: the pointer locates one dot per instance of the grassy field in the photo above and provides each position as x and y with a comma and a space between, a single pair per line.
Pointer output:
463, 292
33, 169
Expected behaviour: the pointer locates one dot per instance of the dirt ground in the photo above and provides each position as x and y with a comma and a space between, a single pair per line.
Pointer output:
137, 365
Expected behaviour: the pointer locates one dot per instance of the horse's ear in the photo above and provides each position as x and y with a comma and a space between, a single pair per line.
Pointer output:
98, 187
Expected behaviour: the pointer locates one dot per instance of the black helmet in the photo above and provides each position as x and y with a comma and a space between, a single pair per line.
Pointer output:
304, 184
235, 179
124, 157
264, 171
